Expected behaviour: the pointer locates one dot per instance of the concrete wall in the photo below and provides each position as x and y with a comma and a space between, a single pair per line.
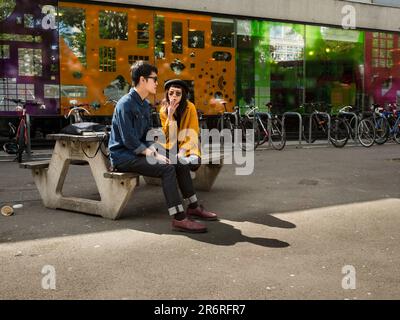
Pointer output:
313, 11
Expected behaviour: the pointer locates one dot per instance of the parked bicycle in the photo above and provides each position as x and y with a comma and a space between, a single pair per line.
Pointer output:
387, 123
381, 124
320, 123
266, 126
20, 143
361, 129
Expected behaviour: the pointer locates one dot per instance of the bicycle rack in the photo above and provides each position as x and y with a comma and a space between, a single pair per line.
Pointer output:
300, 124
354, 115
329, 124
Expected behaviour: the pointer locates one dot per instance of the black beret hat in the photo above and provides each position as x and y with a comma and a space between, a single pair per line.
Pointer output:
178, 82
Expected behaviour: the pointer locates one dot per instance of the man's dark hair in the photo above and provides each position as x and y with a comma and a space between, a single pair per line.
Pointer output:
141, 69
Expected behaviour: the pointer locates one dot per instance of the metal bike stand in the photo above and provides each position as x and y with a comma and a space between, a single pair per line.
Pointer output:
300, 124
356, 125
28, 135
329, 124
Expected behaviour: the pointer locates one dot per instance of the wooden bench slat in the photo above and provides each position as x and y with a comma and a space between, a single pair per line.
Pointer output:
120, 175
35, 165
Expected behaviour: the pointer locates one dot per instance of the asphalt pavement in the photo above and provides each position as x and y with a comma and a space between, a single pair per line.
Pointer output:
309, 223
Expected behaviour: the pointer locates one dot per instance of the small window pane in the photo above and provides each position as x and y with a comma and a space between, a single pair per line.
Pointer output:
73, 91
196, 39
159, 34
107, 59
143, 36
29, 62
4, 51
222, 34
113, 25
51, 91
177, 46
29, 21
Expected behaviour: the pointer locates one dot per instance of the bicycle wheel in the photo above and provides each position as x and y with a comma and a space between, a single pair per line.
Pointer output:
278, 136
381, 130
396, 134
249, 141
339, 132
21, 140
366, 133
352, 127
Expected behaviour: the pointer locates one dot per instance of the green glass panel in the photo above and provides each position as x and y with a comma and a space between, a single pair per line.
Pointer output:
334, 66
270, 64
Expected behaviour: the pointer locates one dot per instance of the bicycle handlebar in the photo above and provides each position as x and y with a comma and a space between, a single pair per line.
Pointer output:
345, 109
76, 109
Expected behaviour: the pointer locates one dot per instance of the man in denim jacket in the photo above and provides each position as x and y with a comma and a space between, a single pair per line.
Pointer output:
130, 152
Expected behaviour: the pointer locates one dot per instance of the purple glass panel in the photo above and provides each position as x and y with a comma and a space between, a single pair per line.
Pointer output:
31, 25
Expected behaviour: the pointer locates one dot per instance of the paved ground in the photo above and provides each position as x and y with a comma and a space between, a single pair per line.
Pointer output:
286, 232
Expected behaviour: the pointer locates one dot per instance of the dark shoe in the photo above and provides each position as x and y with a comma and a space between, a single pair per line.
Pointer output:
187, 225
201, 213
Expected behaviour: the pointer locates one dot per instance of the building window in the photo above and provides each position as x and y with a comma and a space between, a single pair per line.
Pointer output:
7, 8
108, 62
29, 22
196, 39
113, 25
222, 31
143, 36
382, 46
20, 37
159, 33
132, 59
72, 28
10, 88
70, 91
51, 91
4, 51
177, 45
29, 62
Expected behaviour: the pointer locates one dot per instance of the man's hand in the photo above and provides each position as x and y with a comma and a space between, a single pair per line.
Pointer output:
162, 159
151, 152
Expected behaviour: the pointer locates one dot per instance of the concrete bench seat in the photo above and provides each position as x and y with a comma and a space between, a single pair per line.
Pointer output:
35, 165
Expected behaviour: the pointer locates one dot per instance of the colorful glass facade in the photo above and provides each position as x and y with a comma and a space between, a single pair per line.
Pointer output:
57, 51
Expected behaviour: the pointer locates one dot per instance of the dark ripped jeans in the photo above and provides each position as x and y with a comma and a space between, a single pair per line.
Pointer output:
169, 174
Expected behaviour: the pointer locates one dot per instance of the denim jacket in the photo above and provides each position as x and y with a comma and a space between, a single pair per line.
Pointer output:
130, 123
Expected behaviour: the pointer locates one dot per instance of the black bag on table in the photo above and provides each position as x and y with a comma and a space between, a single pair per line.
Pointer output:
80, 127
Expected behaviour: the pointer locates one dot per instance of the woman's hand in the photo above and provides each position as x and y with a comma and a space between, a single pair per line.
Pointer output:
171, 108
